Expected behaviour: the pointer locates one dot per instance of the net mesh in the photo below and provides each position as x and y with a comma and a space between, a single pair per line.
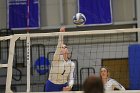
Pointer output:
90, 50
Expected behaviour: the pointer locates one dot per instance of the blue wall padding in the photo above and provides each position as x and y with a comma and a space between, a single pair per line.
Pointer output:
134, 66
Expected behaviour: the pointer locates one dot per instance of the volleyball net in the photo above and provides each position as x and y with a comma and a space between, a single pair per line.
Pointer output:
25, 59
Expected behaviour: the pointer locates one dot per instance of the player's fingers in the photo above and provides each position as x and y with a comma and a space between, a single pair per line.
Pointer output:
62, 29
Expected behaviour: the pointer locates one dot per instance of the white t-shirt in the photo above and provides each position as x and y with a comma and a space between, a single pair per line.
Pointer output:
62, 72
111, 84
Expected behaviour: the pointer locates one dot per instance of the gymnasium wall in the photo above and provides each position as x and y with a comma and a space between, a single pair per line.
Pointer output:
122, 11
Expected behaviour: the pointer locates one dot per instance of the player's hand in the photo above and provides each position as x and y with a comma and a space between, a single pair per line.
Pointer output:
62, 29
67, 88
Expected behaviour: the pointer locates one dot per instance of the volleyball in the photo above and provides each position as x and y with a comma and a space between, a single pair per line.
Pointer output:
79, 19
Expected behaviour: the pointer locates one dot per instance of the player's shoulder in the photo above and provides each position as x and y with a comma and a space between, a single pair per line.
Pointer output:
112, 80
72, 63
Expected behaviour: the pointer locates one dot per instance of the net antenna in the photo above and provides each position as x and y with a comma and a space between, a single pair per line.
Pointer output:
28, 47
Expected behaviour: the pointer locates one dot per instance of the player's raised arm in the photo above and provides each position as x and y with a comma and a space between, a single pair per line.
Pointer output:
57, 53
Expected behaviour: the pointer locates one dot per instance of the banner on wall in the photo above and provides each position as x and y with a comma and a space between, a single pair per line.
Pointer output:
20, 17
96, 11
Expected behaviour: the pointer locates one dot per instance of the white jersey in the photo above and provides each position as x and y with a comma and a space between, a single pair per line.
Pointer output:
111, 84
62, 72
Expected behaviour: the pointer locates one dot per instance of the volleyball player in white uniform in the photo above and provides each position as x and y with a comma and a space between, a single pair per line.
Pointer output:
61, 76
109, 83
